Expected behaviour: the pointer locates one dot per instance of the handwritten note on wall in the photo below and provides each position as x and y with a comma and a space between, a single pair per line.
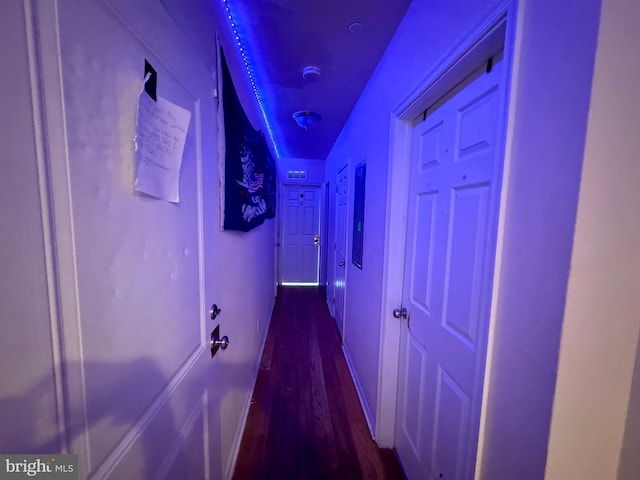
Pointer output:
161, 131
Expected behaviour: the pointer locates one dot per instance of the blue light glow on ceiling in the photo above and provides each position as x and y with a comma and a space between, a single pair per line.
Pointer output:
250, 68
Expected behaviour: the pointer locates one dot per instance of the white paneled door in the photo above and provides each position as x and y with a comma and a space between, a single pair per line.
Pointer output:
453, 201
301, 235
340, 247
110, 349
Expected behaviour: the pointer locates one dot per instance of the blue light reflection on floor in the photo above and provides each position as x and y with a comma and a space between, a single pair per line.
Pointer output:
249, 66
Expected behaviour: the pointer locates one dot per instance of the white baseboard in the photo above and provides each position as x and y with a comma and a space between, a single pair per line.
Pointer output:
368, 414
330, 307
237, 440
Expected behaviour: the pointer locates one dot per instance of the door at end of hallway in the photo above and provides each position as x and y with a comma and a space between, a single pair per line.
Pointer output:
300, 258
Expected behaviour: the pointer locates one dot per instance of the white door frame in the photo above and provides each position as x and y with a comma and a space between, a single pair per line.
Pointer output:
59, 233
280, 241
495, 30
346, 238
325, 198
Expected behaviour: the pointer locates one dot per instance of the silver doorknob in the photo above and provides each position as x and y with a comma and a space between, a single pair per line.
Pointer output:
400, 313
341, 264
217, 342
214, 311
221, 342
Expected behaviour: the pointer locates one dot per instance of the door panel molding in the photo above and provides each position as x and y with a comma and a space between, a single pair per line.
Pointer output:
493, 31
153, 413
292, 275
341, 239
455, 329
53, 153
483, 40
198, 416
188, 384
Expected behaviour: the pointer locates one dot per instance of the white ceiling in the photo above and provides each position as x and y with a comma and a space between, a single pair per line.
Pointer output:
281, 37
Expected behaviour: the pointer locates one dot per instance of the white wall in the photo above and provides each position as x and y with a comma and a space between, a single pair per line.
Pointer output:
602, 315
550, 101
314, 168
429, 30
246, 300
25, 280
246, 262
315, 176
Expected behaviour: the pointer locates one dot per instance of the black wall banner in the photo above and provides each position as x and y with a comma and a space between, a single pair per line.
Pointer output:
249, 168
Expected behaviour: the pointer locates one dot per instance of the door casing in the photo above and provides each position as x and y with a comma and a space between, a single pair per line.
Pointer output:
197, 407
495, 31
340, 255
282, 228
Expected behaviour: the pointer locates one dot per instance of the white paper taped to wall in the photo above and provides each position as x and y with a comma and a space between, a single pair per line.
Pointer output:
161, 131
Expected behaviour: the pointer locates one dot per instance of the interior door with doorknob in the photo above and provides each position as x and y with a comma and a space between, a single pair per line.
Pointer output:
452, 216
340, 248
301, 241
132, 276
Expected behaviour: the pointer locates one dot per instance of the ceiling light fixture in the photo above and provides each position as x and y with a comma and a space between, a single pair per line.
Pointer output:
306, 119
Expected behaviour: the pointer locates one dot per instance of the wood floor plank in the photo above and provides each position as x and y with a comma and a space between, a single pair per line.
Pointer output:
305, 419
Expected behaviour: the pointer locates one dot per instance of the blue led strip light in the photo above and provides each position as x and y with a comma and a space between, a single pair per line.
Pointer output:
250, 72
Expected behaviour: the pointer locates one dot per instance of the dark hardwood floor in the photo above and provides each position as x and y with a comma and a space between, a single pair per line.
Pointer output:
305, 420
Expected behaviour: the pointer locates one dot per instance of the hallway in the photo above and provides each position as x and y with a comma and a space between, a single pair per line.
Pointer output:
305, 419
